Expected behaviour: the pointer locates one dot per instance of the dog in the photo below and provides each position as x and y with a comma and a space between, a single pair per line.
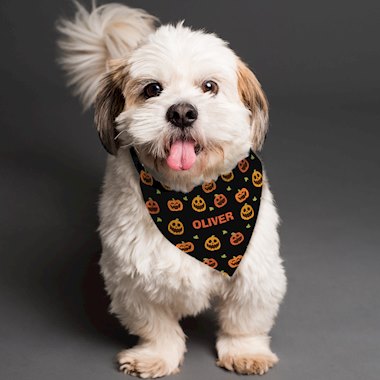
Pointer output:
191, 109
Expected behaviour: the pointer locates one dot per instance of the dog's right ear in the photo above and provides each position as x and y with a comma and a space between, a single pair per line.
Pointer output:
256, 102
109, 103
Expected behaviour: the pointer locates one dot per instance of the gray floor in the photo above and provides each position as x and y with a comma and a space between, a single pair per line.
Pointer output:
322, 159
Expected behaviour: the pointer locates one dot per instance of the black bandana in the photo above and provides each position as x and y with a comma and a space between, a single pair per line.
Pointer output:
212, 223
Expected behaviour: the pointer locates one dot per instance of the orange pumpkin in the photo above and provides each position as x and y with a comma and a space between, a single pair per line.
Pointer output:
209, 187
152, 206
210, 262
243, 165
235, 261
220, 200
247, 212
175, 205
242, 195
166, 187
212, 243
236, 238
198, 204
187, 246
146, 178
176, 227
257, 178
228, 177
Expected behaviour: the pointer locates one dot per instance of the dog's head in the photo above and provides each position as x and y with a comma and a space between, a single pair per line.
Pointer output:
190, 107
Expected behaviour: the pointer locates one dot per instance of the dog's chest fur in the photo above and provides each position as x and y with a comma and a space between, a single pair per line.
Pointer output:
137, 255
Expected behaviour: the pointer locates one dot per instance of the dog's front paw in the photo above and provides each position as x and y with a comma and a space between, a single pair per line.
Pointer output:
248, 364
140, 362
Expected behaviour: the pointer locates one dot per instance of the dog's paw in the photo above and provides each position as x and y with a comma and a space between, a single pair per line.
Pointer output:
136, 362
248, 364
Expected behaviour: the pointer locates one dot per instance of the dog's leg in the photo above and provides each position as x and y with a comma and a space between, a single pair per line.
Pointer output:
246, 316
161, 345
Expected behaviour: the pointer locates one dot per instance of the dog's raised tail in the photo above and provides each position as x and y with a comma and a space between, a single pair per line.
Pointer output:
93, 37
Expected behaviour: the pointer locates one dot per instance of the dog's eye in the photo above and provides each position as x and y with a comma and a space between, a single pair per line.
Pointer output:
152, 89
210, 86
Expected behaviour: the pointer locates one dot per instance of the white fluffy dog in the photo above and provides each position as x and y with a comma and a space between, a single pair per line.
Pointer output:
134, 72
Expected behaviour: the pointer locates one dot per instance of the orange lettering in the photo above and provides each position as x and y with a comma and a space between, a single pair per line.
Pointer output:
213, 221
222, 218
197, 224
229, 216
204, 224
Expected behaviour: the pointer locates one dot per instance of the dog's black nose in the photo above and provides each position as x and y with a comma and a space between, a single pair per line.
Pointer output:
182, 115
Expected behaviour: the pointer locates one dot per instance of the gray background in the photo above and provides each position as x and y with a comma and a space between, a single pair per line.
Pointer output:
318, 62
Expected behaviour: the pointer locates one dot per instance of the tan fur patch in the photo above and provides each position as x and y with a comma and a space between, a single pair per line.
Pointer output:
132, 91
145, 366
250, 89
109, 103
248, 364
253, 97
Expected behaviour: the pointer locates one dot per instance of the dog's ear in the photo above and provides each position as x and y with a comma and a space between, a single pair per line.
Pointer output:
255, 100
109, 104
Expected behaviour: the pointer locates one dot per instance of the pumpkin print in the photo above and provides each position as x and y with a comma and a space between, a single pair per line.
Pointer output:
242, 195
236, 238
187, 246
257, 178
212, 243
243, 165
235, 261
228, 177
146, 178
213, 222
152, 206
176, 227
198, 204
175, 205
220, 200
209, 187
210, 262
247, 212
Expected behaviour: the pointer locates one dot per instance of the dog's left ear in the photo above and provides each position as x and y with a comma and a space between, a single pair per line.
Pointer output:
255, 100
109, 103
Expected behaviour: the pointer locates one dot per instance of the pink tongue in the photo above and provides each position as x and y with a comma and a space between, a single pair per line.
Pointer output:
182, 155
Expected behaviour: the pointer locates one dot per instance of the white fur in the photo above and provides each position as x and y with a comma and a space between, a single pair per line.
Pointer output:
151, 283
92, 38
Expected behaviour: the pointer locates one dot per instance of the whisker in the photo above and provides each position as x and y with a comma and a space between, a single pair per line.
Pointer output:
128, 145
118, 135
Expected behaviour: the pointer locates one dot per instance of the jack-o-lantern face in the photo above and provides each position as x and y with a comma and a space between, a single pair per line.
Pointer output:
228, 177
247, 212
235, 261
146, 178
208, 187
236, 238
257, 178
220, 200
210, 262
212, 243
176, 227
198, 204
243, 165
152, 206
242, 195
187, 246
175, 205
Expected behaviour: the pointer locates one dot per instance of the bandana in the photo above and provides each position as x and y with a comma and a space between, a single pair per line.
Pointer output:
214, 222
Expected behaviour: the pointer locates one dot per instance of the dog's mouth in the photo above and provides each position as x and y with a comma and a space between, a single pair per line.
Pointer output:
182, 154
